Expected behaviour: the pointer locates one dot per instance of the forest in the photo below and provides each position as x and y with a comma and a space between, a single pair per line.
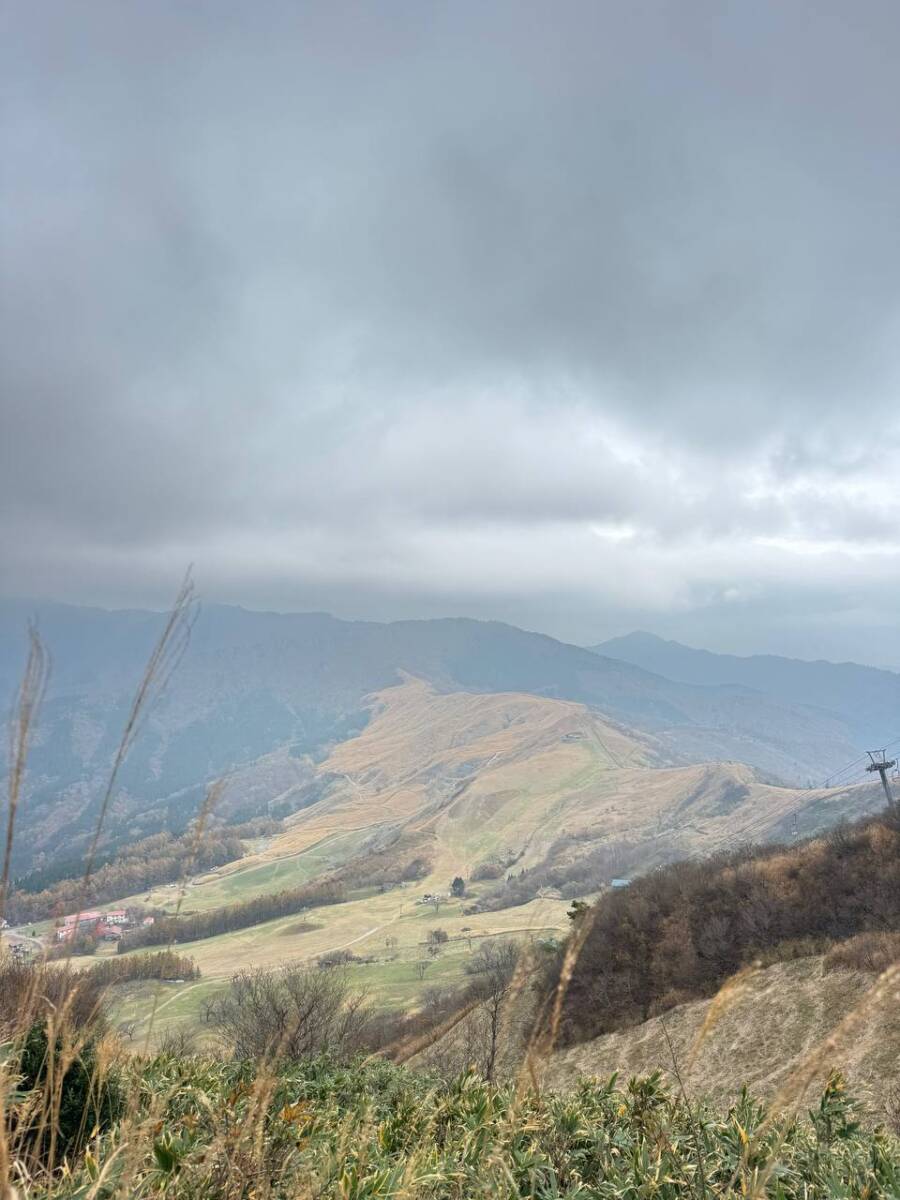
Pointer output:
679, 932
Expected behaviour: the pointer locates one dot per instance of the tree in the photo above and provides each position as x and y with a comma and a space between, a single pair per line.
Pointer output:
458, 887
296, 1012
493, 966
420, 968
437, 939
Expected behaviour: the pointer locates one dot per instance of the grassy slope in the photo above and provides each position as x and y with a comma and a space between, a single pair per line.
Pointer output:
760, 1037
479, 775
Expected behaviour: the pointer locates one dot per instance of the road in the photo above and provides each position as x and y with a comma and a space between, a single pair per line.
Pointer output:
23, 939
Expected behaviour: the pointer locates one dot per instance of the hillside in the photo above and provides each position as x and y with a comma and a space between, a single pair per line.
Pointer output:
454, 781
743, 1044
265, 695
867, 699
682, 932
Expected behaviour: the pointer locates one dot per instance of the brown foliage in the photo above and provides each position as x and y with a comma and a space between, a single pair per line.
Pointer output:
30, 994
679, 932
296, 1012
161, 858
871, 952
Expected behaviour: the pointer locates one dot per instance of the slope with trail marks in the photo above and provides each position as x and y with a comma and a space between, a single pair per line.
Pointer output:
741, 1044
466, 778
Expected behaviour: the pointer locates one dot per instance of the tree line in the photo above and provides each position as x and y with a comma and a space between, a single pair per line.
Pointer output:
566, 869
194, 926
679, 932
161, 858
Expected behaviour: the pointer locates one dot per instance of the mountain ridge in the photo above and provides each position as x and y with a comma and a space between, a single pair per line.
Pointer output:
251, 683
867, 698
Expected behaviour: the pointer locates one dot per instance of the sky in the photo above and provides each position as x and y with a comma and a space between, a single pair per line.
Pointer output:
584, 316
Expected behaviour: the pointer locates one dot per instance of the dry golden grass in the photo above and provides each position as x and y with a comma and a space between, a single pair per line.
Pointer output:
763, 1030
240, 1149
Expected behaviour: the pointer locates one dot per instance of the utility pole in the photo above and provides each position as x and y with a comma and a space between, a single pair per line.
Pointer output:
882, 764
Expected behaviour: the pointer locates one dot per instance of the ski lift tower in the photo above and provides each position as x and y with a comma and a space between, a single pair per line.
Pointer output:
882, 764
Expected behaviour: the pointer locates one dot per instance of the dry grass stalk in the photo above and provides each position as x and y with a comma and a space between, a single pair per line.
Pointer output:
213, 796
28, 701
67, 1041
728, 994
165, 657
544, 1036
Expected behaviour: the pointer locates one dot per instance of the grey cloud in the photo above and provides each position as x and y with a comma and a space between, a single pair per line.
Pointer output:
343, 291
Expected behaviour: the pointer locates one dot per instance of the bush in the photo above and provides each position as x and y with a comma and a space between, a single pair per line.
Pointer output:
296, 1012
81, 945
29, 994
487, 870
337, 958
210, 1131
74, 1096
872, 952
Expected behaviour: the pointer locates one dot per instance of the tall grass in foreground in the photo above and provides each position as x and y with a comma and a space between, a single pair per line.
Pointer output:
80, 1118
207, 1130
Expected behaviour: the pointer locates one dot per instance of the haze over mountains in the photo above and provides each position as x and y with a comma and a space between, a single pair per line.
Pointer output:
866, 698
256, 683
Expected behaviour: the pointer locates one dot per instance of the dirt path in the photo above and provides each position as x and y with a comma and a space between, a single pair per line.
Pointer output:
175, 996
362, 936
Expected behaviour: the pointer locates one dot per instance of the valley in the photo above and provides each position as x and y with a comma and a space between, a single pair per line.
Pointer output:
464, 781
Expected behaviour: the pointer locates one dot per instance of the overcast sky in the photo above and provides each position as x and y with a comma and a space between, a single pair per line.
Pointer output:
585, 316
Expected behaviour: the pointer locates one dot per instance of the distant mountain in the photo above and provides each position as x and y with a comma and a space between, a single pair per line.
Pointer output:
866, 699
252, 683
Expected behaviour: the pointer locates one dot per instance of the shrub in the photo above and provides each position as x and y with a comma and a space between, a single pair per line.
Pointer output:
29, 994
74, 1096
81, 945
873, 952
211, 1131
294, 1013
337, 958
487, 870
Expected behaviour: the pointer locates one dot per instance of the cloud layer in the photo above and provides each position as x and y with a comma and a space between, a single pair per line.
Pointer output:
584, 317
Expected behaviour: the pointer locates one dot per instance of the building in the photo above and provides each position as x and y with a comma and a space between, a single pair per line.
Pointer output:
85, 922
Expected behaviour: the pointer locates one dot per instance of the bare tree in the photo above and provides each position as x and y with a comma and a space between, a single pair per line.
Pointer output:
295, 1012
420, 968
437, 939
493, 966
